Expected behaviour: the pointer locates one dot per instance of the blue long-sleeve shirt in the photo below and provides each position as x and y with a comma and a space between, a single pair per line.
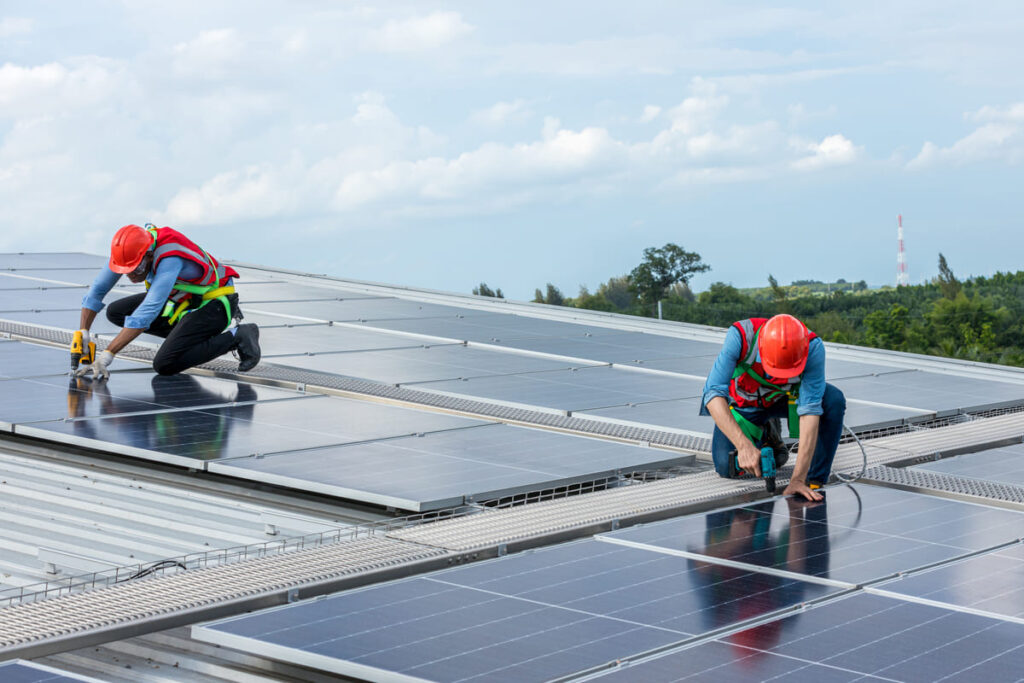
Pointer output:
812, 383
169, 270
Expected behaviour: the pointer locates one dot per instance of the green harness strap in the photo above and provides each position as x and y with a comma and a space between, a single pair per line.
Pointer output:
744, 368
208, 293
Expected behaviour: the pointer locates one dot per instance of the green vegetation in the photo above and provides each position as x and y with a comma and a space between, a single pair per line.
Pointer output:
980, 318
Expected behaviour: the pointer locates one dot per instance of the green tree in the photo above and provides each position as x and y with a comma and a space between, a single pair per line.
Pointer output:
779, 294
948, 283
618, 292
484, 290
887, 329
662, 268
721, 293
553, 296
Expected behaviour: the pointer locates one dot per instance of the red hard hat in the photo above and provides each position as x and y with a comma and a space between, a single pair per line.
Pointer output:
783, 343
128, 248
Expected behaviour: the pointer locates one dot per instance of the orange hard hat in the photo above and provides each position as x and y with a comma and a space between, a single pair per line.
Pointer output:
128, 248
783, 343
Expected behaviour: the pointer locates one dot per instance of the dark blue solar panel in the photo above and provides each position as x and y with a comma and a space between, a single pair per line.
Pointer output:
863, 635
993, 582
858, 534
532, 616
20, 671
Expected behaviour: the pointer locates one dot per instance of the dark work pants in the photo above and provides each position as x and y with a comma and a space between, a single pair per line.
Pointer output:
195, 339
833, 406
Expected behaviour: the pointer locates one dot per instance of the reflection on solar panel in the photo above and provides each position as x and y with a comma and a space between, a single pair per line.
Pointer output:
20, 671
929, 390
1002, 465
444, 469
192, 437
19, 359
993, 583
531, 616
863, 635
859, 534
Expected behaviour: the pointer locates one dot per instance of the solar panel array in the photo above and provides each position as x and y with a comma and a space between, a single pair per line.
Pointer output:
745, 593
602, 373
1003, 465
20, 671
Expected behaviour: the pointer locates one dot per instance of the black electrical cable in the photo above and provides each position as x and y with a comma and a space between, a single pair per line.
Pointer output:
155, 567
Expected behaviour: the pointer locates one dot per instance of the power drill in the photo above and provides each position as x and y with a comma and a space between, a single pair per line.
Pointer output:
80, 353
767, 467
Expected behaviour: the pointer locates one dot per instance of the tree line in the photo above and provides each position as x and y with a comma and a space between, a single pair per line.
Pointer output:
978, 318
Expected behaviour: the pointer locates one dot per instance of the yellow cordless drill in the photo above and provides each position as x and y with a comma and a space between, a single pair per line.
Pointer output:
81, 354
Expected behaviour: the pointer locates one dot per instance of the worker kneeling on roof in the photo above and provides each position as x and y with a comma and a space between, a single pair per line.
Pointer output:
769, 369
190, 301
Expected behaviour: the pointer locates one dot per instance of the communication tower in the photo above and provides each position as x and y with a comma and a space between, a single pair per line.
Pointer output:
902, 278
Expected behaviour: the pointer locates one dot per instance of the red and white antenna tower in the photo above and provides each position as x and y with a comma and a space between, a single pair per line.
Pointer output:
902, 278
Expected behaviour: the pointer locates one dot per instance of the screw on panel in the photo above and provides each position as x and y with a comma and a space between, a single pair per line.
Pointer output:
293, 594
502, 549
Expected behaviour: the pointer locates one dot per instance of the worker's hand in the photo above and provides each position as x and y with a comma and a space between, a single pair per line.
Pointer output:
98, 367
749, 457
800, 487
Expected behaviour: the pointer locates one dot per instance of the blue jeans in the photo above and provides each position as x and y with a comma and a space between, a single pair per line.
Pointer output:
833, 405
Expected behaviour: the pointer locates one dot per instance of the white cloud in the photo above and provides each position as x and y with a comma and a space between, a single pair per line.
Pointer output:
651, 112
999, 138
502, 113
420, 33
55, 87
213, 54
15, 26
834, 150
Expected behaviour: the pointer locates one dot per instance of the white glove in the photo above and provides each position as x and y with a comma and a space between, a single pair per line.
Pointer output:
99, 367
85, 339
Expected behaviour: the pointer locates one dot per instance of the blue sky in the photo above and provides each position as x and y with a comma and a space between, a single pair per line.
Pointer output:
441, 144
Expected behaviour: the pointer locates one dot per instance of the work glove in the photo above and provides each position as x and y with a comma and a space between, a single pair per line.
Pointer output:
99, 366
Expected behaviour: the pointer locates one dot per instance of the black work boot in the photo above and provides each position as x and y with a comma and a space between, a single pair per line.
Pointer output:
773, 438
247, 344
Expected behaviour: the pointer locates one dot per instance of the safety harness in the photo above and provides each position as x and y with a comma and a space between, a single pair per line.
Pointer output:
751, 430
175, 309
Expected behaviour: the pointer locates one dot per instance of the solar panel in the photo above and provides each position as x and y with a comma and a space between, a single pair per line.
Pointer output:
423, 364
51, 299
29, 260
493, 328
530, 616
849, 639
251, 292
443, 469
580, 389
353, 310
21, 671
81, 277
1001, 465
931, 391
677, 414
279, 341
21, 359
993, 583
858, 534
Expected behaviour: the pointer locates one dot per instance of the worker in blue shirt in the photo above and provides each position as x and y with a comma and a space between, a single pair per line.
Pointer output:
766, 370
190, 301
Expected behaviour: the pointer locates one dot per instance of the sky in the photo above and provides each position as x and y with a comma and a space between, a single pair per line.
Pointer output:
441, 144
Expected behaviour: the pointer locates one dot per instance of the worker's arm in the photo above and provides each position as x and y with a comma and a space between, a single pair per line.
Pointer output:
747, 453
92, 302
142, 317
805, 452
812, 390
715, 401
